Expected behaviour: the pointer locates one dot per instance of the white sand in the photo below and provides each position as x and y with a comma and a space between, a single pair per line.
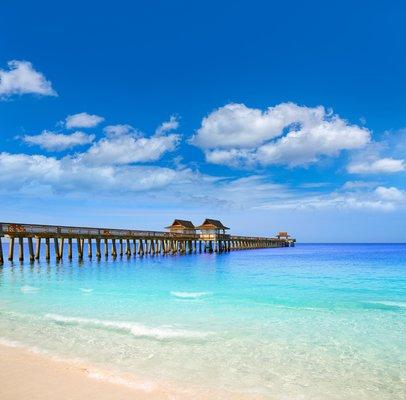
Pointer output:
25, 375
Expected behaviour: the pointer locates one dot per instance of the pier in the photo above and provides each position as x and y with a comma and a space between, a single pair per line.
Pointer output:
182, 237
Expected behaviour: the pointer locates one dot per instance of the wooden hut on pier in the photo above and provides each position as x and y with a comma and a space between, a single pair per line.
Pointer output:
182, 226
212, 229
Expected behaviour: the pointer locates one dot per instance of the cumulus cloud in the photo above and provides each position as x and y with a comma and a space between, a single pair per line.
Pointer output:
121, 130
382, 165
167, 126
69, 174
83, 120
286, 134
22, 78
125, 145
390, 193
52, 141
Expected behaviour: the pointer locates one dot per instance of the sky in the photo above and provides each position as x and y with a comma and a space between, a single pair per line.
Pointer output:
271, 116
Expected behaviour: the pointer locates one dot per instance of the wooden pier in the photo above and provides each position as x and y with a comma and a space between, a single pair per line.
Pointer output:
104, 242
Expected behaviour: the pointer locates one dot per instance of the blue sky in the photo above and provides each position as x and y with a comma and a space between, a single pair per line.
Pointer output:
269, 115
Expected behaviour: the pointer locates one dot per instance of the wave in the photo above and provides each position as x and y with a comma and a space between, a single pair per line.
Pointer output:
29, 289
389, 303
137, 330
191, 295
86, 290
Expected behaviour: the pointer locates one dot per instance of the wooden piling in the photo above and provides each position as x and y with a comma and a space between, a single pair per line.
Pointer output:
38, 248
70, 252
56, 245
61, 248
47, 249
98, 251
106, 248
113, 248
30, 249
121, 248
20, 249
11, 248
1, 253
89, 248
80, 248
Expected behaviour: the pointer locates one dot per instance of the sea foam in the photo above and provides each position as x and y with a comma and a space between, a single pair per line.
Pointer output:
137, 330
86, 290
388, 303
190, 295
28, 289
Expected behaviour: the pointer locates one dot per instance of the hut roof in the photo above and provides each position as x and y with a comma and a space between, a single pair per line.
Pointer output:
283, 234
183, 223
213, 222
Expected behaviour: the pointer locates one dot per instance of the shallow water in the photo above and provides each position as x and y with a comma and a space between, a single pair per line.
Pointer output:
310, 322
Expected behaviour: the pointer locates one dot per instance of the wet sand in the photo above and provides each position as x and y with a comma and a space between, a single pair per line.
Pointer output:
30, 375
25, 375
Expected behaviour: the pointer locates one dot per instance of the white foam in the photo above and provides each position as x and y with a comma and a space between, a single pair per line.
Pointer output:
86, 290
400, 304
15, 344
135, 329
191, 295
29, 289
147, 387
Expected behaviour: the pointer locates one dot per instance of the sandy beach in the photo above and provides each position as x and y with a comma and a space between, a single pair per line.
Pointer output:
31, 375
27, 375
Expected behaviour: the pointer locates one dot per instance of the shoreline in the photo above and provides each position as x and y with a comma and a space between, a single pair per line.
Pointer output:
26, 374
30, 374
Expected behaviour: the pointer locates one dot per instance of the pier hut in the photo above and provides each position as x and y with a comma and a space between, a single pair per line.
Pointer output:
286, 238
182, 226
213, 233
212, 229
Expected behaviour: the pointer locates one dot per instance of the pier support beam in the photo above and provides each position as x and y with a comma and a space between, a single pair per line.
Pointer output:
38, 248
61, 248
47, 249
121, 248
106, 248
11, 249
1, 253
113, 248
56, 246
89, 248
70, 248
127, 247
98, 251
20, 249
80, 248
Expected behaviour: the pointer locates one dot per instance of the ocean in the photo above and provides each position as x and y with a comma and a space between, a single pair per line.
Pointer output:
317, 321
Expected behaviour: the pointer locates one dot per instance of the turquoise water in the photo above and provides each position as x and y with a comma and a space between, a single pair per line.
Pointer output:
310, 322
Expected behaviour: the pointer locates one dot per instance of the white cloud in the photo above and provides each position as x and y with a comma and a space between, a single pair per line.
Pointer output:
357, 185
22, 78
83, 120
70, 175
167, 126
382, 165
52, 141
286, 134
125, 145
390, 193
121, 130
